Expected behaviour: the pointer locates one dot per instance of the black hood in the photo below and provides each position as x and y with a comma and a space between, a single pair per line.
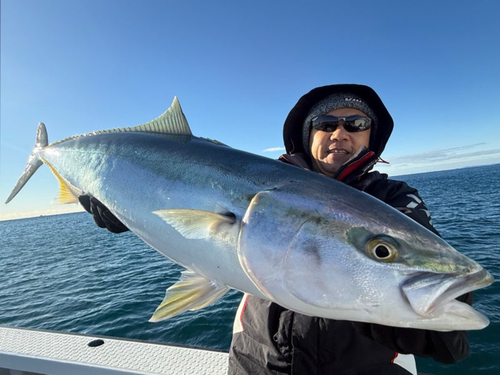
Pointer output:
292, 129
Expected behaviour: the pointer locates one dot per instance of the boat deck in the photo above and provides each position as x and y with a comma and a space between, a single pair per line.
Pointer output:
32, 352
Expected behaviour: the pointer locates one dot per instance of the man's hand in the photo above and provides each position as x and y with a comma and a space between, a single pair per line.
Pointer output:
102, 216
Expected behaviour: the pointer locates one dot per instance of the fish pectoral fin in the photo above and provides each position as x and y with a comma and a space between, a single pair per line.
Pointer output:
196, 224
191, 292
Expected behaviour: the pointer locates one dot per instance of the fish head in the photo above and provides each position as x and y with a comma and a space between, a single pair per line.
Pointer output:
345, 264
427, 275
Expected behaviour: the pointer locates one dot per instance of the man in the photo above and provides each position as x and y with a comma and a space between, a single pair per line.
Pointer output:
339, 131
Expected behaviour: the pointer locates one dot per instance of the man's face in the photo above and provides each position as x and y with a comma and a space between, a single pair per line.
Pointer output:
329, 150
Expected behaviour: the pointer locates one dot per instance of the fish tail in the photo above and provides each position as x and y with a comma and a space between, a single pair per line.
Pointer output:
34, 161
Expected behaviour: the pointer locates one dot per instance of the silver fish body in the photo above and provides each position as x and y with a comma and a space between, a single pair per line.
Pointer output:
238, 220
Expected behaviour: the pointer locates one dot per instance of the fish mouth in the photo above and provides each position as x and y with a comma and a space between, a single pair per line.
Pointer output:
429, 293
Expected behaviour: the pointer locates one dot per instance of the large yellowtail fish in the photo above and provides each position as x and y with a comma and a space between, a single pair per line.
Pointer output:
238, 220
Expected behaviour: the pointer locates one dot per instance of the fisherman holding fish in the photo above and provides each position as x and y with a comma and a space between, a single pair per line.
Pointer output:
338, 131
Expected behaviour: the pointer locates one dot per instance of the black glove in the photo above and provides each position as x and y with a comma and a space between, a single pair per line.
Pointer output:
445, 347
102, 216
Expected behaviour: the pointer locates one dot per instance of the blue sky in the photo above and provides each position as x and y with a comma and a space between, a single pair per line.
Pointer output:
238, 67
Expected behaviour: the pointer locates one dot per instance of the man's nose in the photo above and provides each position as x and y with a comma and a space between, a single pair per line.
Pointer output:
340, 132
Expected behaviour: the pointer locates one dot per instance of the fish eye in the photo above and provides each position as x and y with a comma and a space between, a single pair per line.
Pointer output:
382, 250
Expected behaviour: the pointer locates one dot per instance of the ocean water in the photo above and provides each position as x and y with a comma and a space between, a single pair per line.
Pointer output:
63, 273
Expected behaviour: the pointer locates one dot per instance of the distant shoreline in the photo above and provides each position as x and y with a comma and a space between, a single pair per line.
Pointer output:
28, 215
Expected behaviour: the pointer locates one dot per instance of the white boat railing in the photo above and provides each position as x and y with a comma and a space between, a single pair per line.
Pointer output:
33, 352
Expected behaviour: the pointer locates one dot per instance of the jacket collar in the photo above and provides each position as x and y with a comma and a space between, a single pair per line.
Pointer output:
353, 169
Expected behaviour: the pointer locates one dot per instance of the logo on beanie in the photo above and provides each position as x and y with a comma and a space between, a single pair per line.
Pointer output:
353, 100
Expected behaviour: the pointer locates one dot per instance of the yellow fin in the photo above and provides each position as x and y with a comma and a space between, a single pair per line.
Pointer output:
67, 193
196, 224
191, 292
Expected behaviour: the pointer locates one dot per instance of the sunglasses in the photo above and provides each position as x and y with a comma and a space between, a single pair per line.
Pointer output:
351, 124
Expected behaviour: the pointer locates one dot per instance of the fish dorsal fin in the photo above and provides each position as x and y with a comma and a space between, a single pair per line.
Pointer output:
172, 121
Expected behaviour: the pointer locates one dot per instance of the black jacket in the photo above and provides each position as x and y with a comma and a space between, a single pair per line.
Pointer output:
270, 339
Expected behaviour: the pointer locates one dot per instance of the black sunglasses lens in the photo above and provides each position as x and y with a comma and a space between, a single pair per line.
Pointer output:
327, 126
351, 123
357, 124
